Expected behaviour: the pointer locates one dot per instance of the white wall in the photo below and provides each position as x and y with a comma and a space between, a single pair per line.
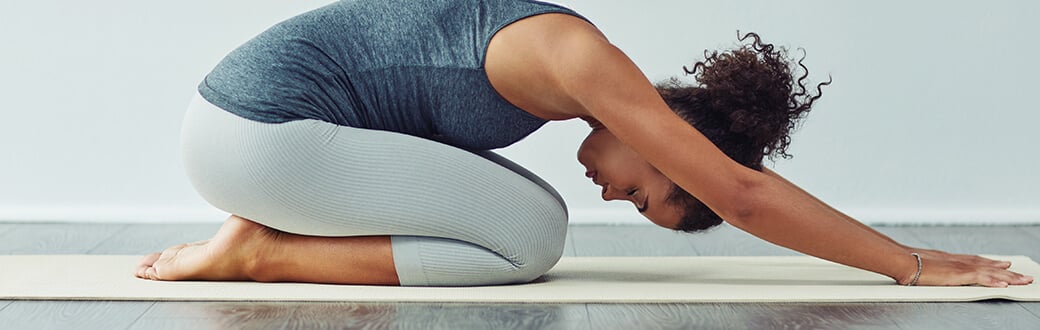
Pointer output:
931, 117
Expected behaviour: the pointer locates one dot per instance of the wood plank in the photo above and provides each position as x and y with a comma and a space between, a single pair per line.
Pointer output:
466, 316
1007, 240
148, 238
568, 245
6, 227
72, 314
823, 316
56, 238
903, 235
221, 315
726, 240
177, 324
640, 240
493, 316
742, 316
1032, 230
1032, 307
660, 316
218, 315
367, 315
346, 315
977, 315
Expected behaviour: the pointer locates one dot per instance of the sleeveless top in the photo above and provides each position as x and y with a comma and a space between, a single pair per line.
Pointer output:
409, 66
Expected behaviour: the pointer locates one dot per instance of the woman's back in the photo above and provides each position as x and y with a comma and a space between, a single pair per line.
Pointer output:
414, 67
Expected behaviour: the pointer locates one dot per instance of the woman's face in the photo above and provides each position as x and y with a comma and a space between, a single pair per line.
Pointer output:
624, 175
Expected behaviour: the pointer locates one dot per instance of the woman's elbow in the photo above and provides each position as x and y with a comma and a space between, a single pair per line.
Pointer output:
746, 200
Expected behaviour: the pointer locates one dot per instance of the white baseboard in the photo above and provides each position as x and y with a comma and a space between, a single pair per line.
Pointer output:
111, 214
615, 216
871, 216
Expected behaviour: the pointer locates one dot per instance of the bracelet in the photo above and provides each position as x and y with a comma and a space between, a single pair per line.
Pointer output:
919, 266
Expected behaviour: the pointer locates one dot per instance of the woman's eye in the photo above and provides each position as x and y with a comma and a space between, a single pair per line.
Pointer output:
632, 192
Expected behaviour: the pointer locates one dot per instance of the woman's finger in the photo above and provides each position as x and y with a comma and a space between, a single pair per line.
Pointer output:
1001, 278
951, 272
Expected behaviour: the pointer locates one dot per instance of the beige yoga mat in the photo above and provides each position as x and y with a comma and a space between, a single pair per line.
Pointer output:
574, 280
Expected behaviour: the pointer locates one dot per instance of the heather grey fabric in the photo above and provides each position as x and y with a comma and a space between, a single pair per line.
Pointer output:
408, 66
456, 217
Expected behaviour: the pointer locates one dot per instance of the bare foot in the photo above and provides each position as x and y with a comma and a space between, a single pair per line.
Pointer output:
228, 256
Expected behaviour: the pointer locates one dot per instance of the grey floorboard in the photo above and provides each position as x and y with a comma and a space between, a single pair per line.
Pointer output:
656, 316
4, 304
180, 323
903, 235
742, 316
1033, 231
217, 315
491, 316
726, 240
1033, 307
986, 315
596, 241
820, 316
568, 245
980, 240
6, 227
147, 238
56, 238
374, 315
71, 314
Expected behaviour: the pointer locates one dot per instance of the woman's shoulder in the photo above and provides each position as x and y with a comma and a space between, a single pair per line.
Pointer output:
523, 61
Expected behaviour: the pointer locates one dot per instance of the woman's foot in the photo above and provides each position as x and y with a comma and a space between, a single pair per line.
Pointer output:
231, 255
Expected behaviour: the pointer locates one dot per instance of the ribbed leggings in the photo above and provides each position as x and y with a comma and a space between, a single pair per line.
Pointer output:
455, 218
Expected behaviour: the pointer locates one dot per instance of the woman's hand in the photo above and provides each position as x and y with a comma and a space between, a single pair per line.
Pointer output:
947, 269
965, 258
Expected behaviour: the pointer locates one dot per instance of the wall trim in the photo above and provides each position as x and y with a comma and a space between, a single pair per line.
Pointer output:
871, 216
605, 215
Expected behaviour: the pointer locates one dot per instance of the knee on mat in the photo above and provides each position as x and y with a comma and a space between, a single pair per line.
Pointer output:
447, 262
502, 274
534, 267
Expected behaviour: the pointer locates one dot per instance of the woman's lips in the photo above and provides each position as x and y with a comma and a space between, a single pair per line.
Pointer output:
592, 175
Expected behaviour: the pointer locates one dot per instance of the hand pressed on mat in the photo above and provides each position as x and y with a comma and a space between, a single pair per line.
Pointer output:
947, 269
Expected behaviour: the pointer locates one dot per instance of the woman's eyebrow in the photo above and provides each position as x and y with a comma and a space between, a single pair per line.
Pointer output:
646, 205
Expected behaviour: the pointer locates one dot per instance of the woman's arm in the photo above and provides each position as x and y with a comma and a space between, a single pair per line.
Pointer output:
927, 253
610, 88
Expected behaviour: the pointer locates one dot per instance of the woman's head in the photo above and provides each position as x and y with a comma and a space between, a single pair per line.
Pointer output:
746, 101
624, 175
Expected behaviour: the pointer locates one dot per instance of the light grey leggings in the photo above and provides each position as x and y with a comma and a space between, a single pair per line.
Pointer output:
455, 218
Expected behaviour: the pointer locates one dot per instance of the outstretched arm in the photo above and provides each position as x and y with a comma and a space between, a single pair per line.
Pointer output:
926, 253
610, 88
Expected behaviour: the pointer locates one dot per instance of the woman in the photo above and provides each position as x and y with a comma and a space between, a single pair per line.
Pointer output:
349, 144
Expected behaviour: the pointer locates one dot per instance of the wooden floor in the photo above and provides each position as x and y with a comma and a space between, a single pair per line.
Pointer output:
583, 241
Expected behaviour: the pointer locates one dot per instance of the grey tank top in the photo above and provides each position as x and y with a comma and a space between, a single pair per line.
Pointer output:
409, 66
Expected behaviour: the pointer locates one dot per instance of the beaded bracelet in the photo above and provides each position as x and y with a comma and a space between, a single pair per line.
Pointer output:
919, 266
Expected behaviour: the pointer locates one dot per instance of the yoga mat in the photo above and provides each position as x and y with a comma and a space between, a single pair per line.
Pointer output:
573, 280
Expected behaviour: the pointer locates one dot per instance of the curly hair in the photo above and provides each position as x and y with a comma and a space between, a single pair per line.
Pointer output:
747, 102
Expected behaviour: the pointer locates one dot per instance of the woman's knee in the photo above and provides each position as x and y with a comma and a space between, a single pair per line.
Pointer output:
431, 261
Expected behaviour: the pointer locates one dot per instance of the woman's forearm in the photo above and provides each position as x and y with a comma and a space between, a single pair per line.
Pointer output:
783, 214
842, 215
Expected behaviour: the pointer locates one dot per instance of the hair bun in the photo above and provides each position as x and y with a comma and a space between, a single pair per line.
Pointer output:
753, 88
746, 102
